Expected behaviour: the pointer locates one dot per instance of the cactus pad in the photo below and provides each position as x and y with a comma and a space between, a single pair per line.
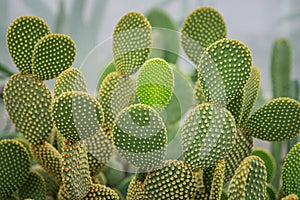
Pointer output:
14, 166
28, 102
268, 160
69, 80
140, 136
291, 171
131, 42
135, 190
218, 180
22, 35
173, 181
77, 115
290, 197
53, 54
208, 135
75, 171
277, 120
249, 180
201, 28
101, 192
33, 188
49, 158
241, 149
116, 93
100, 149
224, 70
155, 84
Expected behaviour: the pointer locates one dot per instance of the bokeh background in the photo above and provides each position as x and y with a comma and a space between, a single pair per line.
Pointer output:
257, 23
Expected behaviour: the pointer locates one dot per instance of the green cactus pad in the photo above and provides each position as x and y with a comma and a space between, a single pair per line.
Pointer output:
224, 70
52, 186
14, 166
131, 42
249, 180
101, 192
33, 188
63, 195
28, 103
49, 158
199, 96
208, 135
268, 160
277, 120
53, 54
140, 136
69, 80
155, 84
135, 190
116, 93
241, 149
173, 181
77, 115
21, 36
75, 170
200, 29
100, 149
9, 198
291, 197
218, 180
251, 93
291, 171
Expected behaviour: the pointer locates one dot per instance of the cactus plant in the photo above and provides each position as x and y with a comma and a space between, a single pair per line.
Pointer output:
73, 135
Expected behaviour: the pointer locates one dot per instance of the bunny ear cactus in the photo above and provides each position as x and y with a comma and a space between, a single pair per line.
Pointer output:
291, 197
139, 135
101, 192
69, 80
207, 135
135, 189
22, 36
131, 42
28, 103
249, 181
155, 84
200, 29
34, 187
291, 172
14, 166
53, 54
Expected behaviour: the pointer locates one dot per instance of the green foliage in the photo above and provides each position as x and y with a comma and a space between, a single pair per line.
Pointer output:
69, 80
116, 93
249, 180
155, 84
268, 160
131, 42
140, 136
291, 172
275, 121
53, 54
201, 28
28, 102
14, 166
33, 188
69, 111
22, 35
174, 180
75, 171
165, 36
207, 135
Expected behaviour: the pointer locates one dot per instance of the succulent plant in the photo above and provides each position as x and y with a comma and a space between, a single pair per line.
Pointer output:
73, 135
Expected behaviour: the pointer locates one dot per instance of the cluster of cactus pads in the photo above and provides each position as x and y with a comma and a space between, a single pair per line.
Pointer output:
73, 135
